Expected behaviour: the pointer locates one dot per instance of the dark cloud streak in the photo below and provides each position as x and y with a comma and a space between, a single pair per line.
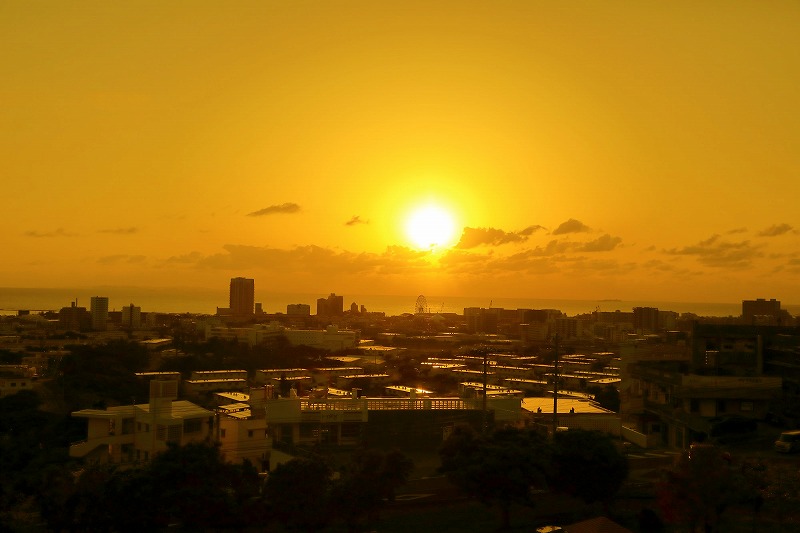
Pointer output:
356, 220
286, 208
776, 230
571, 226
473, 237
57, 233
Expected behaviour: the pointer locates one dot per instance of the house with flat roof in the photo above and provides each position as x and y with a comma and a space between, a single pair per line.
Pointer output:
578, 413
129, 434
132, 433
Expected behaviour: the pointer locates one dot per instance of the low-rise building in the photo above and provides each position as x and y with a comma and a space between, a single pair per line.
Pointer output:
130, 433
354, 421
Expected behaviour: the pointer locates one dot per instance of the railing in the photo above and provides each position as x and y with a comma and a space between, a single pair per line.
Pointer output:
85, 447
639, 439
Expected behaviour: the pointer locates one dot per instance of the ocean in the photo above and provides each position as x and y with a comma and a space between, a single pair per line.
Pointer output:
206, 301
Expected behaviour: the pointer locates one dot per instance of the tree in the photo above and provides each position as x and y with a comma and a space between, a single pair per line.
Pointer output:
501, 469
189, 485
198, 488
369, 479
587, 465
297, 494
698, 488
607, 397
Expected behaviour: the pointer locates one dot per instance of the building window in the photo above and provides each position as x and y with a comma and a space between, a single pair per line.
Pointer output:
694, 406
746, 406
174, 433
222, 433
192, 425
250, 433
721, 406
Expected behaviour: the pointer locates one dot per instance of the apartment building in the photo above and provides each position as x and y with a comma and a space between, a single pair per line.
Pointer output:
703, 390
130, 433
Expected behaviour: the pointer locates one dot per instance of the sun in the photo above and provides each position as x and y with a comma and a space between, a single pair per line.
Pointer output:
431, 227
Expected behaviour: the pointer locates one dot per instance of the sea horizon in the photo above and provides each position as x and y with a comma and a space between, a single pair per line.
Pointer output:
206, 301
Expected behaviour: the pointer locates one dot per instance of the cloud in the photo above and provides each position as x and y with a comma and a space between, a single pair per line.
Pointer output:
120, 231
605, 243
793, 266
57, 233
553, 247
571, 226
472, 237
356, 220
190, 258
775, 230
737, 230
288, 207
311, 260
121, 258
718, 253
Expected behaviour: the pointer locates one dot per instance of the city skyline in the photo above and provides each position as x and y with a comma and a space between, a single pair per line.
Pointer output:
587, 151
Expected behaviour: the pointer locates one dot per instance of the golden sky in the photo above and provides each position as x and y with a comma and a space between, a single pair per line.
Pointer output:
634, 150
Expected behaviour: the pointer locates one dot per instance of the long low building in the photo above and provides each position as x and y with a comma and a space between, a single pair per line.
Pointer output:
380, 421
572, 413
194, 387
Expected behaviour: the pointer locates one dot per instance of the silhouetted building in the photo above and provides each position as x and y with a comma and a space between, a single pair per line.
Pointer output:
242, 297
298, 310
131, 317
645, 319
331, 306
761, 311
99, 310
74, 318
480, 320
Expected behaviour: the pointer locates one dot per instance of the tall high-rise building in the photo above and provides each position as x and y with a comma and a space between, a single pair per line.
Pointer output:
99, 311
131, 317
645, 319
331, 306
74, 318
243, 296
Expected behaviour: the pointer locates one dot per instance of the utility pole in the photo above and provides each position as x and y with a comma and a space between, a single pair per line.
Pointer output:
555, 386
485, 412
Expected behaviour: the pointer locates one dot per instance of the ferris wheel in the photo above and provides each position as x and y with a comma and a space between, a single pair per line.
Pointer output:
421, 307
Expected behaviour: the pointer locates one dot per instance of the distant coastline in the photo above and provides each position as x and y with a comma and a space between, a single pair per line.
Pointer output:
205, 301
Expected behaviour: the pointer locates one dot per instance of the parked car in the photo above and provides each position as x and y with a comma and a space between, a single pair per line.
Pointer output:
788, 442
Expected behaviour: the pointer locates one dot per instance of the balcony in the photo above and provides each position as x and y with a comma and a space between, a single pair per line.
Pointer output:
678, 415
84, 448
727, 387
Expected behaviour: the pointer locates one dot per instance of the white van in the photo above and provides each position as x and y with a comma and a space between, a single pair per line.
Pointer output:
789, 441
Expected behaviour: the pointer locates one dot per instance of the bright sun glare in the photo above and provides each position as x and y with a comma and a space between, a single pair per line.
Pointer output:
431, 227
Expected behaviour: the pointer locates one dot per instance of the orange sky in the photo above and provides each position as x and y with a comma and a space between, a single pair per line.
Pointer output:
633, 150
